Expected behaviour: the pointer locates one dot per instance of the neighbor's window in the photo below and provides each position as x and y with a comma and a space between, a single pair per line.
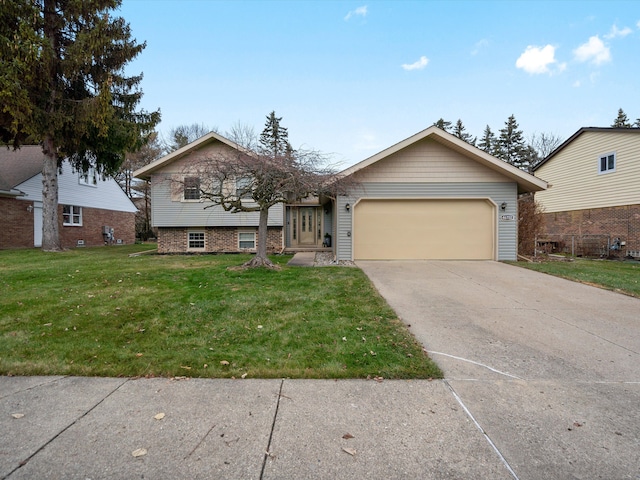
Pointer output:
247, 240
607, 163
90, 177
196, 241
72, 215
192, 188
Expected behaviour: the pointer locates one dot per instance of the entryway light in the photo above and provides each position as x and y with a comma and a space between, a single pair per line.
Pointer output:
503, 206
348, 206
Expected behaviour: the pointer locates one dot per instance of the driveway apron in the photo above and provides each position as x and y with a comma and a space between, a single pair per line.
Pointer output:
547, 368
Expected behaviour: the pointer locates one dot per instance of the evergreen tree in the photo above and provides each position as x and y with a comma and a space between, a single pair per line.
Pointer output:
488, 141
274, 139
442, 124
511, 145
62, 84
621, 121
460, 131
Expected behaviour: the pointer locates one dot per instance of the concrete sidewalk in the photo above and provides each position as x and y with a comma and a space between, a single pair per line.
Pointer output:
89, 428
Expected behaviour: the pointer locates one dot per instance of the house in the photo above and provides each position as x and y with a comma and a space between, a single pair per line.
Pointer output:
431, 196
87, 204
594, 180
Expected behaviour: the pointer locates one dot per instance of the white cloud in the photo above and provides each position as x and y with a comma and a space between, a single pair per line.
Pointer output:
576, 84
360, 11
535, 60
484, 43
419, 65
616, 32
593, 51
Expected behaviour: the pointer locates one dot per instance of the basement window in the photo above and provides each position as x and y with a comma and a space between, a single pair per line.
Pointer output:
247, 240
71, 216
196, 241
607, 163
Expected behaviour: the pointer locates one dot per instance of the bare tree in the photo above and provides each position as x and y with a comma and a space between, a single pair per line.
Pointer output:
544, 143
185, 134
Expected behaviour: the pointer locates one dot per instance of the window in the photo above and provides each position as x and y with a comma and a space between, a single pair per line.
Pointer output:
607, 163
195, 241
72, 215
90, 177
243, 187
247, 240
192, 188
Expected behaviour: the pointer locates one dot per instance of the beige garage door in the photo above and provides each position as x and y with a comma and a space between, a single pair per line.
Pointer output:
461, 229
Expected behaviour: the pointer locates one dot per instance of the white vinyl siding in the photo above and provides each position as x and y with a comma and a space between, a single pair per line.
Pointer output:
575, 179
607, 163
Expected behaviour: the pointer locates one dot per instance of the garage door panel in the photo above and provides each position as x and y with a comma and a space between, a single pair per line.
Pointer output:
424, 229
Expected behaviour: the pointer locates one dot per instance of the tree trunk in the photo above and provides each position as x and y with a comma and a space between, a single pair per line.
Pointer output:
261, 259
50, 228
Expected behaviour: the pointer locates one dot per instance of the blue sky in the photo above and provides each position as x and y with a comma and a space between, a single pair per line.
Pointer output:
353, 78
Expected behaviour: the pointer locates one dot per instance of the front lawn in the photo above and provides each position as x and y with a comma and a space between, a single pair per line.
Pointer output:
623, 277
99, 312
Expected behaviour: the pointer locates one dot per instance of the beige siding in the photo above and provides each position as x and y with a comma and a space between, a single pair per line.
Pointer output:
428, 161
576, 184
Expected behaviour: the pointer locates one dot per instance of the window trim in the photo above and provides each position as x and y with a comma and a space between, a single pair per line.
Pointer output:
194, 188
71, 215
203, 240
605, 157
247, 232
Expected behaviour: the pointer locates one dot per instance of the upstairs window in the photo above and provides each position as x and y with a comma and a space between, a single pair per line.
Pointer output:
243, 187
192, 188
90, 177
607, 163
72, 215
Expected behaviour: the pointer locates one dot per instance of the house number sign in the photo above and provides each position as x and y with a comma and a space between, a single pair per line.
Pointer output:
508, 218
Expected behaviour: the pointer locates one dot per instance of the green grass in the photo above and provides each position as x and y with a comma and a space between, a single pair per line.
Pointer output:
623, 277
99, 312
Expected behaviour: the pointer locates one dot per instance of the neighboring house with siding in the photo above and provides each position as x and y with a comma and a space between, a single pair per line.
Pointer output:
431, 196
594, 186
86, 204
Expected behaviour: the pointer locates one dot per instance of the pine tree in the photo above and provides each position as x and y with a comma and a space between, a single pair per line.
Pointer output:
442, 124
488, 141
621, 121
460, 131
511, 145
63, 85
274, 139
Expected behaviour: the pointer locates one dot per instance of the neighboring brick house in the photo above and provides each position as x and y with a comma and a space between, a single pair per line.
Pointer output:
86, 204
594, 187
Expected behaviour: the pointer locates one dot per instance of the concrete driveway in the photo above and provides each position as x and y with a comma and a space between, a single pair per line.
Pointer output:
548, 369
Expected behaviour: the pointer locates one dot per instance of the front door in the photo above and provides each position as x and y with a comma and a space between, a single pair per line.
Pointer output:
307, 219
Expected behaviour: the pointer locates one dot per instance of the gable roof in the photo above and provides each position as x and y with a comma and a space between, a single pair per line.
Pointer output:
17, 166
580, 132
525, 181
146, 171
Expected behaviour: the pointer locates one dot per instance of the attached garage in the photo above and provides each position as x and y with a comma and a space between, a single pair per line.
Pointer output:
424, 229
431, 196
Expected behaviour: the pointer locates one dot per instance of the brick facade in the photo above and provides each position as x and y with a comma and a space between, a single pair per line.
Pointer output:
17, 223
616, 222
17, 228
217, 239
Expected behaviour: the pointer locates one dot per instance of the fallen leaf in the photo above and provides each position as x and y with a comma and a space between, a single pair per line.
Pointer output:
159, 416
185, 367
139, 452
224, 362
350, 451
244, 375
139, 355
378, 379
577, 424
17, 415
344, 339
347, 436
